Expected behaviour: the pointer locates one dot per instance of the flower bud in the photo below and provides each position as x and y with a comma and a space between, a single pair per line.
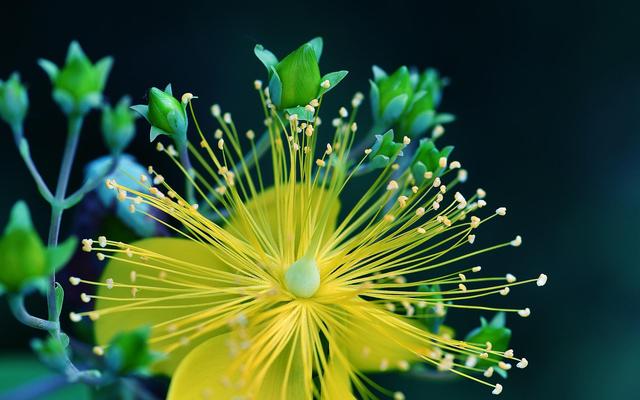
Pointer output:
118, 125
427, 159
295, 81
390, 94
166, 114
23, 257
78, 86
385, 150
14, 101
299, 74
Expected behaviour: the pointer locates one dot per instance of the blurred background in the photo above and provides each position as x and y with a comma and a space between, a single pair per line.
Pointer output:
547, 99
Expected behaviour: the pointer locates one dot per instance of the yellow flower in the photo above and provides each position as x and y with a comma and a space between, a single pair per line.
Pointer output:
280, 293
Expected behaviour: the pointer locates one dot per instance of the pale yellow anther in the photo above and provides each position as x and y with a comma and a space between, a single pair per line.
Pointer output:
220, 144
250, 134
227, 117
320, 163
310, 108
406, 140
74, 280
524, 313
497, 389
420, 211
100, 256
98, 350
510, 278
325, 84
471, 239
421, 230
502, 211
85, 298
442, 162
393, 185
215, 110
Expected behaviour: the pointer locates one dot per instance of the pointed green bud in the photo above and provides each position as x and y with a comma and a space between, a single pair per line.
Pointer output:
166, 114
118, 125
391, 94
300, 76
22, 254
303, 277
427, 159
14, 101
129, 352
23, 257
385, 150
78, 86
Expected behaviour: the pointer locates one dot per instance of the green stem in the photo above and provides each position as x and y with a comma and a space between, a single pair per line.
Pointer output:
16, 303
23, 148
186, 162
90, 185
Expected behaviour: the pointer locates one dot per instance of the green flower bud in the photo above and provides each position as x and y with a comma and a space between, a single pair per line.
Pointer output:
420, 114
300, 76
166, 114
390, 94
296, 80
23, 257
118, 125
129, 353
78, 86
427, 159
385, 150
14, 101
495, 332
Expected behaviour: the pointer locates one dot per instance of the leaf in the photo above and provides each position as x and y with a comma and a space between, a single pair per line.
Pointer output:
394, 108
275, 87
302, 113
444, 118
129, 353
141, 109
374, 95
266, 57
49, 68
334, 78
317, 44
154, 132
495, 332
168, 90
59, 256
59, 300
378, 73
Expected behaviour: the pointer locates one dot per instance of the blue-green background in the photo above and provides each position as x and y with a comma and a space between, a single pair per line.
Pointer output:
547, 95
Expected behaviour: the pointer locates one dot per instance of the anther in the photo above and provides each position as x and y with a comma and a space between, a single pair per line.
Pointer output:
523, 363
227, 117
100, 256
505, 366
102, 241
75, 317
542, 280
85, 298
74, 280
502, 211
476, 269
524, 313
508, 353
257, 84
437, 131
510, 278
325, 84
497, 389
393, 185
517, 241
97, 350
455, 164
471, 239
488, 372
505, 291
109, 283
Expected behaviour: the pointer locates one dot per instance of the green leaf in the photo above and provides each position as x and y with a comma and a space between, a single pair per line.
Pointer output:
302, 113
394, 108
266, 57
275, 87
57, 257
334, 78
142, 109
444, 118
49, 68
378, 73
316, 44
59, 300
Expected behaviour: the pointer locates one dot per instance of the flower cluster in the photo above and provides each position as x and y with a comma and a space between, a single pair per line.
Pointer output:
272, 288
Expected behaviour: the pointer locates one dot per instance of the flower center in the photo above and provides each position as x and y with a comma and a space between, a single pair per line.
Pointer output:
303, 277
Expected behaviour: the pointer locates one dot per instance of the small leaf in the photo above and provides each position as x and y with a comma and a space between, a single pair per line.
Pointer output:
374, 95
59, 300
394, 108
316, 44
266, 57
154, 132
50, 68
57, 257
141, 109
302, 113
168, 90
275, 87
378, 73
444, 118
334, 78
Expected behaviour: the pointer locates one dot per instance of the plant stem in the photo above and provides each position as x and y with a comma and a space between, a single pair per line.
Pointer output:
36, 389
75, 124
23, 148
186, 162
16, 303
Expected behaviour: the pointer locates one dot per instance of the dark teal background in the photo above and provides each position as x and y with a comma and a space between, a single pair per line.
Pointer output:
547, 96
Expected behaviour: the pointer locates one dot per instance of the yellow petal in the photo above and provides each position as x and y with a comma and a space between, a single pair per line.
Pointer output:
337, 384
120, 269
266, 214
204, 374
383, 343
